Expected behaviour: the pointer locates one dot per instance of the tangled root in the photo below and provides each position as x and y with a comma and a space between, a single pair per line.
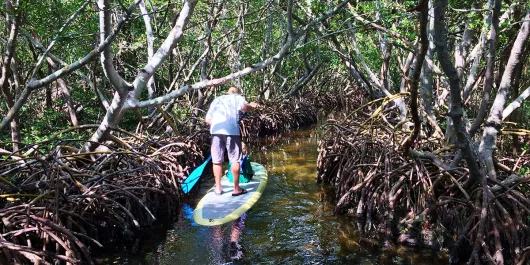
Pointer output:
418, 200
58, 204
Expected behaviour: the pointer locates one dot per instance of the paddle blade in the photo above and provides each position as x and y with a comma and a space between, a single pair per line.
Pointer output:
192, 179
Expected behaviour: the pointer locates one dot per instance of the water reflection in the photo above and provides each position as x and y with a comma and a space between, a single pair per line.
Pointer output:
236, 249
222, 243
228, 250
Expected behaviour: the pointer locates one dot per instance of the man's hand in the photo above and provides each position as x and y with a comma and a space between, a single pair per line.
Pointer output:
250, 106
254, 105
208, 121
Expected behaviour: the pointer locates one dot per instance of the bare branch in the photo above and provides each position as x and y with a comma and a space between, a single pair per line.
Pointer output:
515, 104
489, 139
106, 56
305, 79
6, 73
495, 6
150, 49
456, 111
119, 102
422, 51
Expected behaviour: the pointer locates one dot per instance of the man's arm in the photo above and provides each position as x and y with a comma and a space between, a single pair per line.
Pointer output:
250, 106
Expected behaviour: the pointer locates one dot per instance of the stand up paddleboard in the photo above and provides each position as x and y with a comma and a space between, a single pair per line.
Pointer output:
215, 209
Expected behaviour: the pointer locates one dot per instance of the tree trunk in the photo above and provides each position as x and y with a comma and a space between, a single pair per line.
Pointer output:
122, 94
114, 111
7, 73
426, 76
462, 49
151, 90
492, 20
421, 52
493, 124
464, 141
518, 98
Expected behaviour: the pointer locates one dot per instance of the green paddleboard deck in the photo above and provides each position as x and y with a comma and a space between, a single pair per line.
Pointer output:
215, 209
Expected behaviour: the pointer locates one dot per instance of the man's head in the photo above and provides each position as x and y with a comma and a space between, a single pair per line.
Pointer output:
233, 90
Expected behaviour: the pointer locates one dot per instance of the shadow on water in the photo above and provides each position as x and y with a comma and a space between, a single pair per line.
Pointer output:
292, 223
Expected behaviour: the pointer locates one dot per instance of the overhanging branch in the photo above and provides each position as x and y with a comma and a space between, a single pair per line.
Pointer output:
133, 103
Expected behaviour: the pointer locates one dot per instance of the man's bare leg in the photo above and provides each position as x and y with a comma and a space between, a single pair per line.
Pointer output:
235, 173
217, 174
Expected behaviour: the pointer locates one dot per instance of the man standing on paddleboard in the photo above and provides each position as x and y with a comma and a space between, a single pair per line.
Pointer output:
223, 118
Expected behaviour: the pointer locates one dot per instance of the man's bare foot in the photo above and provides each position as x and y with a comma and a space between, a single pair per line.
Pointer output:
218, 191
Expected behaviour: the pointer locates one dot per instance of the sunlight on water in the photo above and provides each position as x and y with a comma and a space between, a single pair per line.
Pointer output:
292, 223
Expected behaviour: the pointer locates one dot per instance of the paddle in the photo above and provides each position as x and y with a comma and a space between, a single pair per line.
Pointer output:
192, 179
194, 176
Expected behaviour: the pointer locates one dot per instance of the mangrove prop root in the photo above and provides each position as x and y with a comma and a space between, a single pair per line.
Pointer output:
56, 204
418, 200
280, 116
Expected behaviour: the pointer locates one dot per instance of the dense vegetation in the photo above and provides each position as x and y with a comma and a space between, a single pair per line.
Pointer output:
101, 86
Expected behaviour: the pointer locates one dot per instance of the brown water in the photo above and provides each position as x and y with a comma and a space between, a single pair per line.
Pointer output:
292, 223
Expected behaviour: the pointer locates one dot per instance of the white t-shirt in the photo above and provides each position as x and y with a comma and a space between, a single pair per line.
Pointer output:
224, 113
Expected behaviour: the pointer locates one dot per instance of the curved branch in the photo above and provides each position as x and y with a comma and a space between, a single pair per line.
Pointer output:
422, 51
119, 103
106, 56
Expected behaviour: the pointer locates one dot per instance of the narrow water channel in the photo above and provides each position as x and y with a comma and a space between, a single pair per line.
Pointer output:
292, 223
